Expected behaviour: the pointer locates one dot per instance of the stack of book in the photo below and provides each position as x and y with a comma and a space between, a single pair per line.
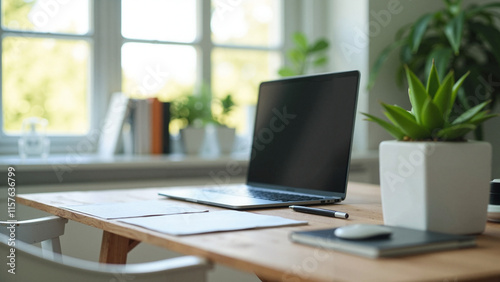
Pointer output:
135, 126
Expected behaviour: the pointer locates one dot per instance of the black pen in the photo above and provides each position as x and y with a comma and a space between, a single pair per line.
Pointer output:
317, 211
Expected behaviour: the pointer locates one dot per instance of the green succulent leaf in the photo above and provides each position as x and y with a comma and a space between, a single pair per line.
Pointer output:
479, 115
418, 94
443, 95
433, 81
470, 113
456, 87
432, 116
401, 111
406, 122
454, 31
418, 30
478, 119
455, 132
395, 131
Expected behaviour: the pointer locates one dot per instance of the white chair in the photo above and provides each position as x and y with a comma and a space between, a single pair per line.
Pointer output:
29, 265
45, 230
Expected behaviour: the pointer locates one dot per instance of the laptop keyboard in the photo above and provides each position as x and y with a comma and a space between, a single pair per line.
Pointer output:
263, 194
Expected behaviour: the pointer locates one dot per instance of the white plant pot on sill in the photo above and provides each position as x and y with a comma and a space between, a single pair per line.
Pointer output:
225, 138
436, 186
192, 139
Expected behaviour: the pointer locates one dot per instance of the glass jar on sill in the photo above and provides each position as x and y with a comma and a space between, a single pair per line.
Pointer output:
33, 141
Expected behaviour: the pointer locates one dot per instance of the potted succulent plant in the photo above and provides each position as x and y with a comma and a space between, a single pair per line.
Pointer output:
431, 177
195, 112
225, 134
463, 39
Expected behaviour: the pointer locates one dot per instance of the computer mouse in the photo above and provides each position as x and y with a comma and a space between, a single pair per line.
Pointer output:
363, 231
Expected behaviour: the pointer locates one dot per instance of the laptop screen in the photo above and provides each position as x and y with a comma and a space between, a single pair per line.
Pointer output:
303, 132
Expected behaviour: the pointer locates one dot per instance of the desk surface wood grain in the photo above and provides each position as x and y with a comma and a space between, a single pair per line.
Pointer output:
272, 256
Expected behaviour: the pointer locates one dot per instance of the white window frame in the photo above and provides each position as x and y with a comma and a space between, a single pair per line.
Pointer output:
8, 142
105, 78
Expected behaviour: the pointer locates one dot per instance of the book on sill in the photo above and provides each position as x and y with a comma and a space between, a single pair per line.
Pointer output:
111, 130
403, 241
147, 129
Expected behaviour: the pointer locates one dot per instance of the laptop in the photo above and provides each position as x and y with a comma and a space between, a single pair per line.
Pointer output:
301, 146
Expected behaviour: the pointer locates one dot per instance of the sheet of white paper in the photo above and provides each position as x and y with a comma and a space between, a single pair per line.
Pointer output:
197, 223
133, 209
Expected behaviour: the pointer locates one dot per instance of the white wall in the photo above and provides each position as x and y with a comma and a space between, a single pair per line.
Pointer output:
349, 51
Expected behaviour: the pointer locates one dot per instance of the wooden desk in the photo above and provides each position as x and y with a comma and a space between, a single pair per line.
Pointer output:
268, 252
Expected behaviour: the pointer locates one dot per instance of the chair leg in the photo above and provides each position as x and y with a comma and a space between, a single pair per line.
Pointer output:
51, 246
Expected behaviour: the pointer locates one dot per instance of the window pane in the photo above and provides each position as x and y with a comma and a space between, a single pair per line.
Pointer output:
239, 72
158, 69
255, 22
168, 20
70, 16
45, 78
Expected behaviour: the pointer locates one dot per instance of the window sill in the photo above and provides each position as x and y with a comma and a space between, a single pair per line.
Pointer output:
65, 169
71, 169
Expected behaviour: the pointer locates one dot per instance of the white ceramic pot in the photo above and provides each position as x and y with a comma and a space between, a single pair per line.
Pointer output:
436, 186
225, 138
192, 138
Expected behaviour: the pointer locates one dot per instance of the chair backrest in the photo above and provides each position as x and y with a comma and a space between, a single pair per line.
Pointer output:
45, 230
36, 230
25, 263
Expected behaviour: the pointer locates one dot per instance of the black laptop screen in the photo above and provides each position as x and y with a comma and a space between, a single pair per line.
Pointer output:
303, 132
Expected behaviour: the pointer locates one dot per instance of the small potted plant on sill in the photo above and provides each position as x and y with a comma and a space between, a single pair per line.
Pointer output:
225, 134
195, 112
431, 177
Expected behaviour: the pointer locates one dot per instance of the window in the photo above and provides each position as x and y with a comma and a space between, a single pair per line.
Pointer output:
247, 40
61, 60
45, 65
166, 50
159, 57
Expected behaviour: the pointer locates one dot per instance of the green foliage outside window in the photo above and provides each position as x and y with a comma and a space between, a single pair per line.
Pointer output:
42, 77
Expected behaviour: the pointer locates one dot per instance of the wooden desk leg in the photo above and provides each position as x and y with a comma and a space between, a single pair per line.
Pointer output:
114, 248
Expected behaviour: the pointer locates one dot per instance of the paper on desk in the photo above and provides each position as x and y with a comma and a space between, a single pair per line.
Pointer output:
196, 223
133, 209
